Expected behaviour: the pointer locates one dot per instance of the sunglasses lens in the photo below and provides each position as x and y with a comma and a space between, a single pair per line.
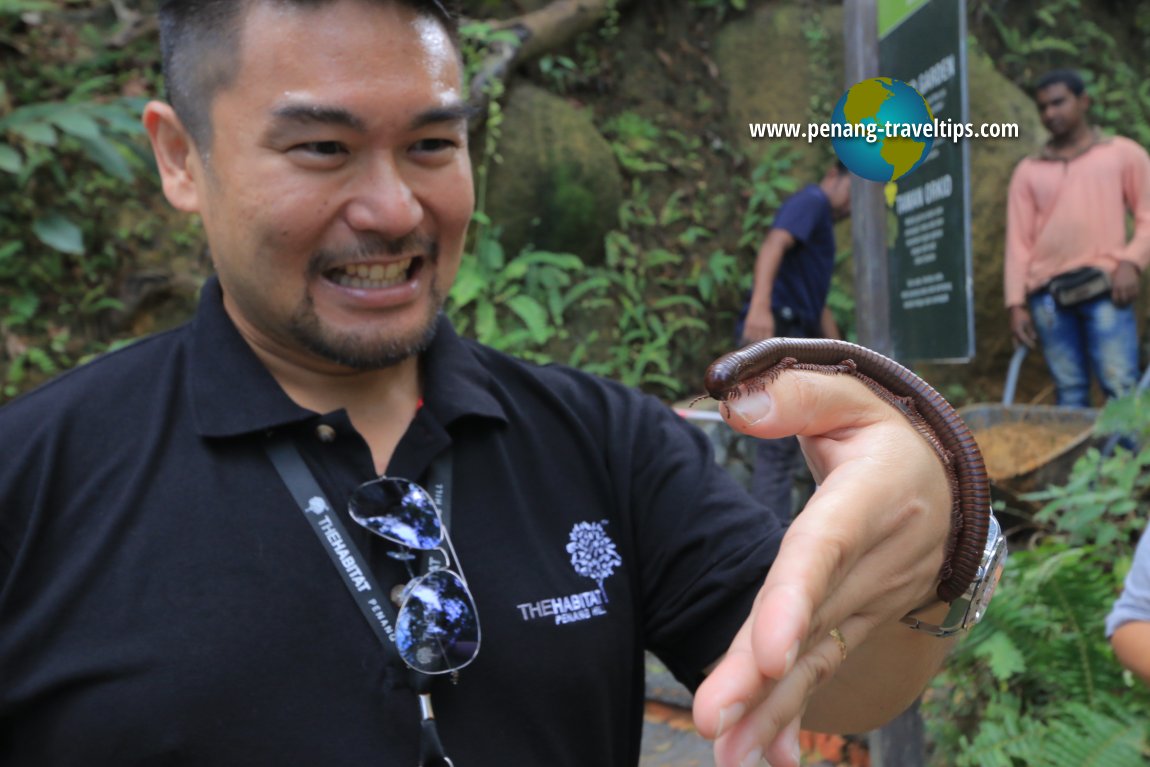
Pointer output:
437, 629
398, 510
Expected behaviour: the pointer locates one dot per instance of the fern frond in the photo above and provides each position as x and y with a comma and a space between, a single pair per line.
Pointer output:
1005, 738
1082, 736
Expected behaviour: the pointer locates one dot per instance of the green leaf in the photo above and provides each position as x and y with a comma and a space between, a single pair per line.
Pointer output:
660, 256
1002, 656
486, 327
105, 154
667, 302
122, 116
9, 249
59, 233
468, 285
695, 233
75, 123
21, 308
566, 261
90, 86
15, 7
36, 132
11, 161
534, 316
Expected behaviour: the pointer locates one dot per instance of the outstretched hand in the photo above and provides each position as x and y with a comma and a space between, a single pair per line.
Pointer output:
865, 551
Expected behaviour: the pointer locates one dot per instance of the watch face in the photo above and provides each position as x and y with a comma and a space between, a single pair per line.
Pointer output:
993, 562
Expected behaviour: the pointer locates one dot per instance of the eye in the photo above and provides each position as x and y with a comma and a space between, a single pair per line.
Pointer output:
433, 145
321, 148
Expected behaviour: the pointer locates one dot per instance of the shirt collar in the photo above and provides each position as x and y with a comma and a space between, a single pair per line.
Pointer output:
232, 393
1097, 138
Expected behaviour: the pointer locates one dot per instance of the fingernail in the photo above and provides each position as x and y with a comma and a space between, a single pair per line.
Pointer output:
751, 408
790, 657
753, 759
791, 740
729, 715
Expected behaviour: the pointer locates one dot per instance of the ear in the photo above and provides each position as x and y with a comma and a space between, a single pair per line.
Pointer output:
176, 156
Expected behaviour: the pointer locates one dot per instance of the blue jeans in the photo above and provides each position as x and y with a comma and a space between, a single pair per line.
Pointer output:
776, 462
1094, 336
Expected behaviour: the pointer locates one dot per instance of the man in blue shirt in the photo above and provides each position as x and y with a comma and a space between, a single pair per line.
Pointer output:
789, 299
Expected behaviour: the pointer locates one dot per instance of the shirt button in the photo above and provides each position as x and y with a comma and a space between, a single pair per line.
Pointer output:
325, 433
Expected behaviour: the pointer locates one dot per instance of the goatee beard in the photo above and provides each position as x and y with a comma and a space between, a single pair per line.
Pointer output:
356, 351
370, 350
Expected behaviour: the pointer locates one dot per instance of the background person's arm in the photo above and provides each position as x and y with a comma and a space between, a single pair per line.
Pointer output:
760, 323
1131, 643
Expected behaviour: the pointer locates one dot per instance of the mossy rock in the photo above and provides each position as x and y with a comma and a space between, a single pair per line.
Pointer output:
772, 69
558, 187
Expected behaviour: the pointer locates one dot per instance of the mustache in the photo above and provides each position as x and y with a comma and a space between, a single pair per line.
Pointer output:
372, 246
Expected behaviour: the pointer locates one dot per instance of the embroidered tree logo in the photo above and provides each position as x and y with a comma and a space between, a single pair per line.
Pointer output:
592, 553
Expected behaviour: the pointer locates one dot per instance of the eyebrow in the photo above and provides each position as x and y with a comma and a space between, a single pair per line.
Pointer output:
305, 114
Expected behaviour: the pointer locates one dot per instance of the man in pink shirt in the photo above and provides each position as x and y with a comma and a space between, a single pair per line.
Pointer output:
1071, 274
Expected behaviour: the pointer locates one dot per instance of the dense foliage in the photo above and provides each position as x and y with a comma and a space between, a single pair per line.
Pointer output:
75, 188
1036, 683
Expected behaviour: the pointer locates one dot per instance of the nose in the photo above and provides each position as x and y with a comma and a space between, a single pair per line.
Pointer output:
383, 201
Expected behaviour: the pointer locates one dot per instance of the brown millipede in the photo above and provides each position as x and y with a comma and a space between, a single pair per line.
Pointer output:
754, 366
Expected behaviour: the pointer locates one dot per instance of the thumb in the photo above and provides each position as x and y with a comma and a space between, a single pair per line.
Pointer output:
806, 403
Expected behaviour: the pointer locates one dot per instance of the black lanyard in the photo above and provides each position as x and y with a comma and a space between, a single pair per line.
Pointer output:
373, 601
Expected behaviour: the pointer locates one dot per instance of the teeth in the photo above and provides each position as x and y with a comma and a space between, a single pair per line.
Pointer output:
371, 275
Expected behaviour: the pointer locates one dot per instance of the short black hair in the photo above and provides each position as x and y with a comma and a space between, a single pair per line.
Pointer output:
199, 49
1068, 77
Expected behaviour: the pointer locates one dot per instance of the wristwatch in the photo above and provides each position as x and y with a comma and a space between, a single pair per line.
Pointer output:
968, 609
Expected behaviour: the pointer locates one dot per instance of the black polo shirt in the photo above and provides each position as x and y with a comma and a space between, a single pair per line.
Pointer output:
163, 600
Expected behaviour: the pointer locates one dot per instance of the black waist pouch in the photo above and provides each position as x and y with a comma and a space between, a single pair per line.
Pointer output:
1078, 286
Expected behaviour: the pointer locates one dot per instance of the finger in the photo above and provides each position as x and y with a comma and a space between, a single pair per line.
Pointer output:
808, 581
784, 751
769, 728
808, 592
733, 686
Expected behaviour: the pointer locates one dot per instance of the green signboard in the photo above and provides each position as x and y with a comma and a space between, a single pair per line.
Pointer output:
892, 12
932, 315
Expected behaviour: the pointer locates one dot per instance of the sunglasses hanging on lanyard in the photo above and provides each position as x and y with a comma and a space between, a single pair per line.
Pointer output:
436, 628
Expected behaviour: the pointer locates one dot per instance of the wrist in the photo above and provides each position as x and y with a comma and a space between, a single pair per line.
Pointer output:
942, 618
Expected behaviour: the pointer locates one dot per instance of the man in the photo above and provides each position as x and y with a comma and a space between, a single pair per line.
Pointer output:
793, 273
163, 600
1071, 275
1128, 624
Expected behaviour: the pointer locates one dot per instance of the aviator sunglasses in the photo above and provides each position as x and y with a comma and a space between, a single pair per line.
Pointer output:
437, 627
